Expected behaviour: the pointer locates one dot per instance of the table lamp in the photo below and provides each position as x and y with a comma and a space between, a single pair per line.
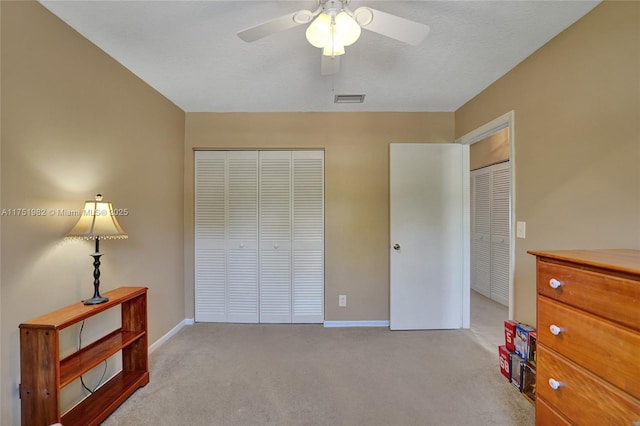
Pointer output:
97, 222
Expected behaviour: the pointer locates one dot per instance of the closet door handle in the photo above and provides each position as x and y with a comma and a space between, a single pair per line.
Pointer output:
396, 246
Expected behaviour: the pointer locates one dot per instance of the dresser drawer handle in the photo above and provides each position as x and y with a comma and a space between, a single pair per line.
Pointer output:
554, 384
554, 329
554, 283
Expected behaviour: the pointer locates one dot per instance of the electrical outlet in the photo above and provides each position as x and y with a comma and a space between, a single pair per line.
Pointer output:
342, 300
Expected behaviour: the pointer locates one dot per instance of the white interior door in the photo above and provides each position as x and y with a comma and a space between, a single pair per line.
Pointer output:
429, 257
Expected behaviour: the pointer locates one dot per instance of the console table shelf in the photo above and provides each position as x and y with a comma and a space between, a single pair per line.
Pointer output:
43, 374
84, 360
105, 399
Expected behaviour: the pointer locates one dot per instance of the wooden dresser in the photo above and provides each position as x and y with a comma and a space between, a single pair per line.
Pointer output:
588, 356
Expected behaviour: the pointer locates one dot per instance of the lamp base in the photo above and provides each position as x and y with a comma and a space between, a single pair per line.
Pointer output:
95, 300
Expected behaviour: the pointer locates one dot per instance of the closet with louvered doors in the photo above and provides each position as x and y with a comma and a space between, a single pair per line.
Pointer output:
491, 231
259, 236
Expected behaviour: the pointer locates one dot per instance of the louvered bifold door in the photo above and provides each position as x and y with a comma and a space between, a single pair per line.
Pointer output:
500, 232
275, 237
308, 237
210, 239
259, 236
226, 236
242, 236
481, 232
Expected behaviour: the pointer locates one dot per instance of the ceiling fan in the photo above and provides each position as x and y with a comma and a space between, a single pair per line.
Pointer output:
336, 26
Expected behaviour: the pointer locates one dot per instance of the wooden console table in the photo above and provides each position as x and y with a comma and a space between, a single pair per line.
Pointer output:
43, 374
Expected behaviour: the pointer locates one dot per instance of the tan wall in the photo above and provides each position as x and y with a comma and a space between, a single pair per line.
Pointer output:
75, 122
356, 189
577, 139
491, 150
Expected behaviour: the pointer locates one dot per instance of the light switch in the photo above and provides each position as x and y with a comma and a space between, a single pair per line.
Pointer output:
521, 229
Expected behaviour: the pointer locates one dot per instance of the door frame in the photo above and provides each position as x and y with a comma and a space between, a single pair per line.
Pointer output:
503, 122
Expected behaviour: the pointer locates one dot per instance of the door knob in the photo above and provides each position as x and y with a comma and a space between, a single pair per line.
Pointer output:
396, 246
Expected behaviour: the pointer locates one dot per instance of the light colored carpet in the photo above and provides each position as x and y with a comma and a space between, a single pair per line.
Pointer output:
241, 374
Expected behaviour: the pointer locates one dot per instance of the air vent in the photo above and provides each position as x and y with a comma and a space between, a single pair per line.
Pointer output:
349, 99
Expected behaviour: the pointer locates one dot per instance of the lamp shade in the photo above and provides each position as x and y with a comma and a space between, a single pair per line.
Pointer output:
97, 221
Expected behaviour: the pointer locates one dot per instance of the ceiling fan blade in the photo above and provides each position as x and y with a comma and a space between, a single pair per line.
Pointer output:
393, 26
329, 65
276, 25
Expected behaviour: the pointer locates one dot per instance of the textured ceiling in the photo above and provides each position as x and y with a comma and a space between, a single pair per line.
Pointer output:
189, 51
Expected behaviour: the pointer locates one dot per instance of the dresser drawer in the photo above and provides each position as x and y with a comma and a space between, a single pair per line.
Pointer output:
602, 347
608, 296
547, 416
581, 396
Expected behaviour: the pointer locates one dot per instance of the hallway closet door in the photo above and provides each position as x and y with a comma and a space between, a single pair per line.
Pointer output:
481, 231
279, 274
491, 231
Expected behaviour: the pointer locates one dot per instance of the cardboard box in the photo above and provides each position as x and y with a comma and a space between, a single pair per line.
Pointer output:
517, 364
529, 382
505, 361
533, 343
510, 334
522, 340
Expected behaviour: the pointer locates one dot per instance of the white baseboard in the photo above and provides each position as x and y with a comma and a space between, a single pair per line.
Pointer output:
381, 323
174, 330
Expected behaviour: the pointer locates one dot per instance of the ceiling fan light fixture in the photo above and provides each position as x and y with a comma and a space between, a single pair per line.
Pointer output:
319, 31
347, 28
332, 32
333, 25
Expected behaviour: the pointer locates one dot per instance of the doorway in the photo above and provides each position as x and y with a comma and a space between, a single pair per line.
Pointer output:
491, 144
